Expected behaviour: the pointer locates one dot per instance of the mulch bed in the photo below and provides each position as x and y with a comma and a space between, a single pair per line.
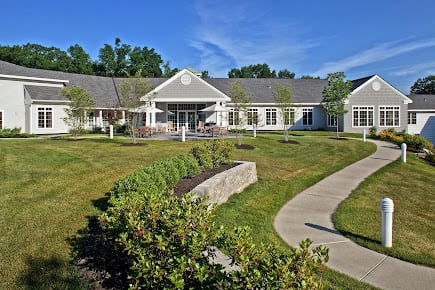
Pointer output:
244, 146
288, 142
186, 185
133, 144
339, 138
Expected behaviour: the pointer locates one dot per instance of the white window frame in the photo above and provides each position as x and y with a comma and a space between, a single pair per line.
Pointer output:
233, 117
271, 116
250, 116
383, 115
332, 121
412, 118
45, 110
289, 115
359, 110
307, 120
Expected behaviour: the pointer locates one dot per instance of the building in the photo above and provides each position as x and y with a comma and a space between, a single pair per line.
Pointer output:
31, 100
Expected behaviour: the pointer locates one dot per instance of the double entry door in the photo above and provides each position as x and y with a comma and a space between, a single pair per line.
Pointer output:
188, 119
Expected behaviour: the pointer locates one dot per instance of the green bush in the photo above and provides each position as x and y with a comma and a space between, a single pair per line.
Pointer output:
14, 133
417, 143
414, 143
213, 153
169, 241
191, 165
373, 132
264, 267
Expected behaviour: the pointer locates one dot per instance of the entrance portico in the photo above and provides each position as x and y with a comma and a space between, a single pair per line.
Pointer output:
181, 98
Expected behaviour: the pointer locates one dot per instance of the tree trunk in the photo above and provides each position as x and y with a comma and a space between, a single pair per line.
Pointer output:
285, 135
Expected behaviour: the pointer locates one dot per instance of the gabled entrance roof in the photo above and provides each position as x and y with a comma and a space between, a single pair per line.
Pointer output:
186, 87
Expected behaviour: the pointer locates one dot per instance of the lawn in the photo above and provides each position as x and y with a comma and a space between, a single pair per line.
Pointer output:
411, 186
51, 187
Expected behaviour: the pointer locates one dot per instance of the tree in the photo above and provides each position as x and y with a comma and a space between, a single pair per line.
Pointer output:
424, 86
131, 91
81, 103
308, 77
286, 74
252, 71
167, 71
241, 103
146, 60
283, 100
113, 61
80, 60
335, 95
205, 75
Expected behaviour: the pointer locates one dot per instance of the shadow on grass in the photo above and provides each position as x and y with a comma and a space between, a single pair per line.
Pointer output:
51, 273
100, 262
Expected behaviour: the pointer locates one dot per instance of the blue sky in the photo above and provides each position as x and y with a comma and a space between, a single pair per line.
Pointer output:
394, 39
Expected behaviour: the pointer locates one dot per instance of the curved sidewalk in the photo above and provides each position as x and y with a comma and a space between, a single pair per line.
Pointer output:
309, 214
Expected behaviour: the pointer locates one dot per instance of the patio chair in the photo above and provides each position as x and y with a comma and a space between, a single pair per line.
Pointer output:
215, 131
160, 128
170, 126
145, 131
201, 128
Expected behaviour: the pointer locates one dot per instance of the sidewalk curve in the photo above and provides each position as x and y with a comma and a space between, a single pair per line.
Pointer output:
309, 215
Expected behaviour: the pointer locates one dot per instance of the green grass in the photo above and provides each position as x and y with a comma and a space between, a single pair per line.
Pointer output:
411, 186
50, 188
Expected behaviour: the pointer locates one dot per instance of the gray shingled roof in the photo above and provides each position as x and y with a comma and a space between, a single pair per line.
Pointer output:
45, 93
261, 90
105, 89
422, 102
359, 82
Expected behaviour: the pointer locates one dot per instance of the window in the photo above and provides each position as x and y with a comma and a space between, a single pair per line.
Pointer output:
252, 116
389, 116
412, 118
332, 121
270, 116
45, 117
307, 116
1, 119
289, 116
363, 116
233, 117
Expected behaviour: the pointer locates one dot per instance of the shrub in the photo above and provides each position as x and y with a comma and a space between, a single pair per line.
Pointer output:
373, 132
212, 153
417, 143
168, 241
264, 267
13, 133
191, 165
414, 143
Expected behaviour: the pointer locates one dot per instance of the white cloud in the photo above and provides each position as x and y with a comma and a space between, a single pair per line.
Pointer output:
424, 69
375, 54
236, 34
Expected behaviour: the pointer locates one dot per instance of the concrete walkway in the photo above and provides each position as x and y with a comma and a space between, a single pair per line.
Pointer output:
309, 215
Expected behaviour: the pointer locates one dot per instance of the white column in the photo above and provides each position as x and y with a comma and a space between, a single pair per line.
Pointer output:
122, 117
101, 118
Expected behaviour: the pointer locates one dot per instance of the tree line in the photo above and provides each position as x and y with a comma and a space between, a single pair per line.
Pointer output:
118, 60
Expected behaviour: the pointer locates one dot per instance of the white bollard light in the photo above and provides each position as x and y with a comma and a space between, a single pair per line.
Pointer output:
387, 208
364, 135
254, 130
183, 134
111, 131
403, 146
